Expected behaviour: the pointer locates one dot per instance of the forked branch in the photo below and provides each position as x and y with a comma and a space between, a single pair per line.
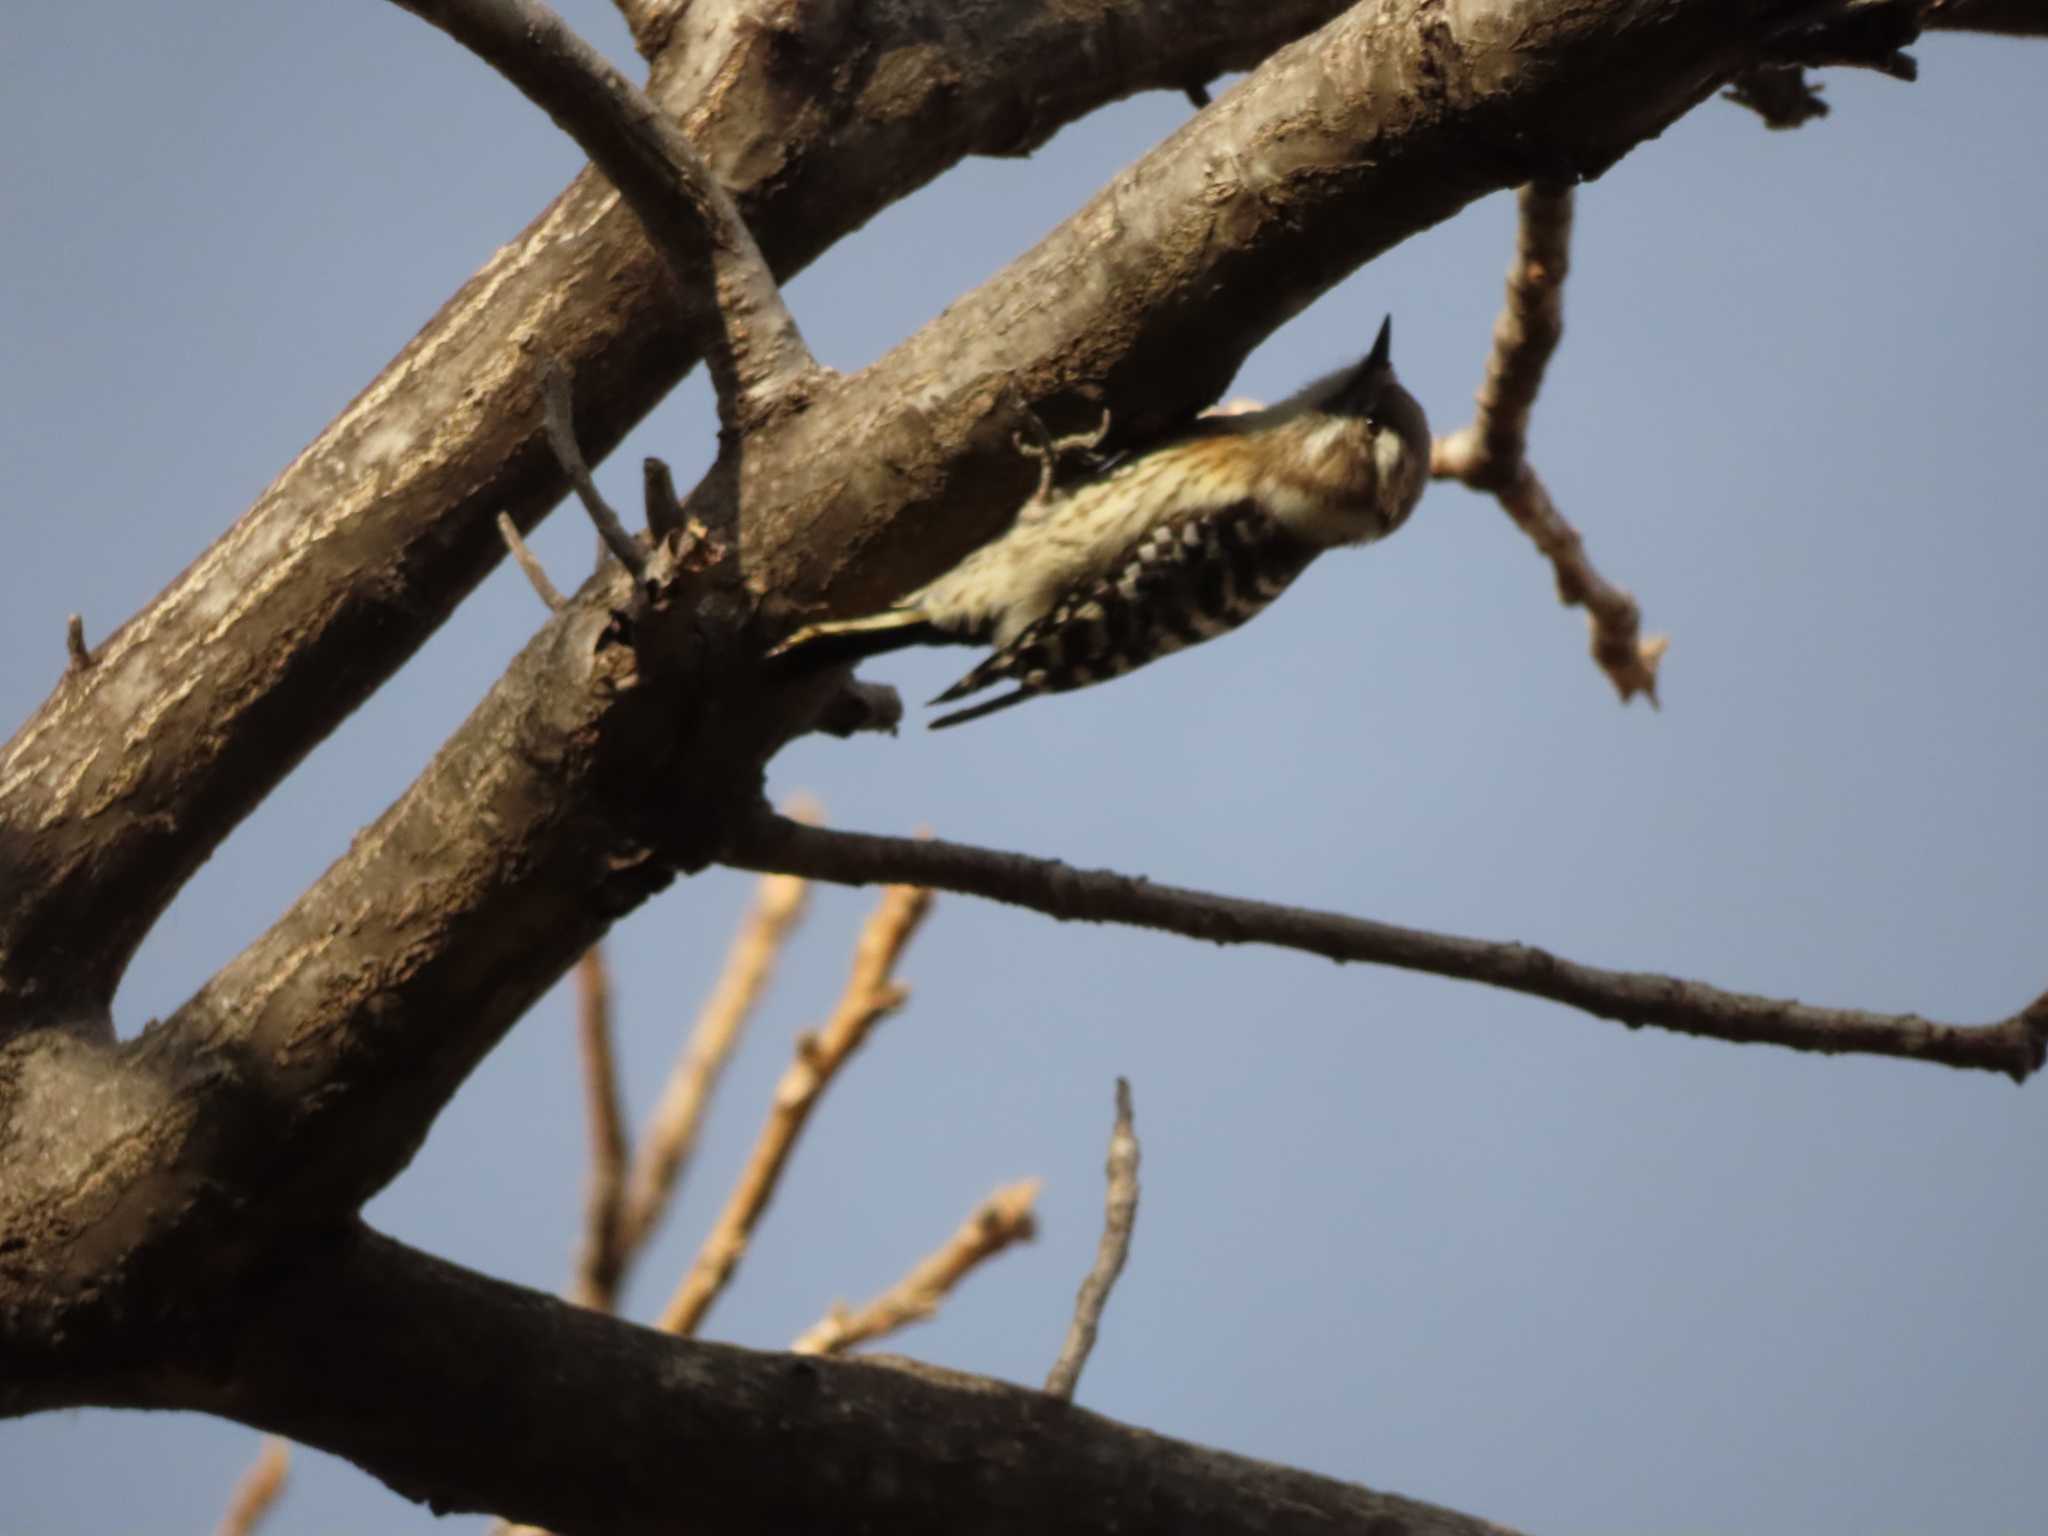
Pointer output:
1490, 455
2014, 1046
750, 340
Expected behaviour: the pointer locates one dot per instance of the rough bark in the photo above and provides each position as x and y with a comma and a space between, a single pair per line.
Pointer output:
177, 1211
137, 767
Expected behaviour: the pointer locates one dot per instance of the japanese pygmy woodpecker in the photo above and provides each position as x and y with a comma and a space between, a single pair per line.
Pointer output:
1166, 549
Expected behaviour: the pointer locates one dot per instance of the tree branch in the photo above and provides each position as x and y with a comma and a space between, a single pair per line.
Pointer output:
374, 533
1491, 455
748, 337
257, 1490
2014, 1046
1118, 1220
2014, 18
600, 1260
671, 1131
557, 407
871, 995
647, 1433
1003, 1219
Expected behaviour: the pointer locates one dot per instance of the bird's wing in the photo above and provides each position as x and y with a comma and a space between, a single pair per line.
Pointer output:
1180, 583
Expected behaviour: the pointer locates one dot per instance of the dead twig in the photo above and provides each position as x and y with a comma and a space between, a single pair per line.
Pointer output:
1005, 1217
558, 414
77, 657
600, 1260
871, 995
1120, 1216
671, 1133
1490, 454
658, 493
2014, 1046
527, 561
258, 1489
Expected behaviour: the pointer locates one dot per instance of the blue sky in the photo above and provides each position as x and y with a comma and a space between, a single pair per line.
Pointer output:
1465, 1246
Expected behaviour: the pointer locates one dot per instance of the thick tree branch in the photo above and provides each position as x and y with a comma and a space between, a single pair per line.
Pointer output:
649, 1433
2014, 1046
306, 1072
2014, 18
748, 337
369, 539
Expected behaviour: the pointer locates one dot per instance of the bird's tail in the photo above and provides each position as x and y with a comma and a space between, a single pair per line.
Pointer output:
843, 640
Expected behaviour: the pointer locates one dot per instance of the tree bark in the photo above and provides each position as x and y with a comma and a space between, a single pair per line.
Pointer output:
178, 1211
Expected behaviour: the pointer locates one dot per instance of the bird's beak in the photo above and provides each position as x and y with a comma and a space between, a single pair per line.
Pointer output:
1382, 354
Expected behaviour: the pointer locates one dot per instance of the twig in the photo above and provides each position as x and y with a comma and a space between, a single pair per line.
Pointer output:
78, 657
536, 573
600, 1260
557, 413
1005, 1217
1490, 454
2014, 1046
1118, 1219
257, 1490
750, 341
870, 996
658, 490
672, 1132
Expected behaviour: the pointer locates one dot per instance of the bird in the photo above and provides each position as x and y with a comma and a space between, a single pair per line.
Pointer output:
1166, 548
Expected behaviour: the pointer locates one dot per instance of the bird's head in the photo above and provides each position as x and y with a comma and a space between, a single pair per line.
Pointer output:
1363, 442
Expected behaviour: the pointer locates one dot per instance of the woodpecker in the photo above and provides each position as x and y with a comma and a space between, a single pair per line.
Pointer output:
1164, 550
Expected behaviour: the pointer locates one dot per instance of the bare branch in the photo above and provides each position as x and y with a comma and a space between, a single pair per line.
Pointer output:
672, 1132
1490, 454
2014, 18
2014, 1046
536, 573
258, 1489
871, 995
344, 573
650, 1435
1004, 1218
558, 412
601, 1259
750, 341
1115, 1247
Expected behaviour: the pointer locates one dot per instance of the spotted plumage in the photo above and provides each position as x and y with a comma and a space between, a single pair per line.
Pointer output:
1183, 582
1166, 549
